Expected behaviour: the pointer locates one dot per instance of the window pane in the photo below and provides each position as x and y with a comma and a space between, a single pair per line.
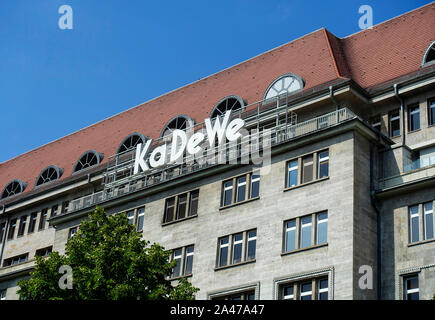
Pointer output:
432, 112
193, 207
169, 210
306, 227
182, 205
241, 189
237, 247
288, 292
250, 295
414, 118
394, 124
177, 258
411, 289
223, 252
307, 169
252, 243
130, 217
292, 179
290, 236
322, 228
140, 219
414, 224
322, 289
228, 193
323, 164
255, 185
189, 260
306, 291
428, 221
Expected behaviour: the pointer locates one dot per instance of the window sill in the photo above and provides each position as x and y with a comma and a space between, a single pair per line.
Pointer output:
420, 242
234, 265
414, 131
179, 220
180, 277
238, 203
305, 184
305, 249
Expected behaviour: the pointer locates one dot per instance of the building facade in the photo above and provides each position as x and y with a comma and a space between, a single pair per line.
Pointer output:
341, 209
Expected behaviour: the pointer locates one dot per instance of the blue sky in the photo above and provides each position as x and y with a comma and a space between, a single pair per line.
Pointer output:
121, 53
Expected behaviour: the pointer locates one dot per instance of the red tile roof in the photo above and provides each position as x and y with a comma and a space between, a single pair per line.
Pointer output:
369, 57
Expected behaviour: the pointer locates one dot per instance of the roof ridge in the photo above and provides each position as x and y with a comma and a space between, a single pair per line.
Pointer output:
331, 52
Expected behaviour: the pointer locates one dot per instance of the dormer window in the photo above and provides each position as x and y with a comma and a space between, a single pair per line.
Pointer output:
131, 142
286, 84
49, 174
180, 122
88, 159
429, 55
13, 188
233, 103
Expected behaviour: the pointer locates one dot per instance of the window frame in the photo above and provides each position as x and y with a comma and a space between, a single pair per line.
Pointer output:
430, 117
187, 210
247, 184
406, 292
297, 282
230, 245
183, 259
411, 114
392, 118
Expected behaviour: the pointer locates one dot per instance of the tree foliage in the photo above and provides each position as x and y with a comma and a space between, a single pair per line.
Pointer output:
109, 261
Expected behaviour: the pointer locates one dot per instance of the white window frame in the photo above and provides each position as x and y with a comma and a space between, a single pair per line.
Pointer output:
425, 219
411, 216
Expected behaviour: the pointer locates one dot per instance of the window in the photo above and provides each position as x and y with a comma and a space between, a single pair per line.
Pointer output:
2, 231
184, 258
394, 120
245, 295
309, 168
177, 207
237, 248
305, 226
12, 226
42, 220
308, 289
323, 164
428, 221
13, 188
180, 122
413, 118
131, 142
65, 206
229, 103
3, 294
44, 252
49, 174
285, 84
23, 222
140, 219
54, 211
376, 122
242, 192
431, 112
429, 55
130, 217
32, 223
136, 217
410, 288
72, 232
87, 160
15, 260
414, 223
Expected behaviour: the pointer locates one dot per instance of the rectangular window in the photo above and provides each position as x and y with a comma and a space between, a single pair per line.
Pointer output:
23, 222
322, 228
410, 288
255, 185
307, 168
305, 232
43, 220
130, 217
323, 165
140, 219
2, 294
376, 122
227, 198
288, 292
428, 221
2, 231
54, 211
292, 175
32, 223
169, 209
413, 118
12, 226
65, 206
188, 264
247, 295
72, 232
414, 234
322, 289
176, 255
15, 260
44, 252
243, 248
182, 206
184, 258
303, 289
394, 120
290, 235
431, 112
241, 189
193, 205
306, 291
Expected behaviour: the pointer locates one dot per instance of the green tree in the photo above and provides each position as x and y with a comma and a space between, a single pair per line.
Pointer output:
109, 261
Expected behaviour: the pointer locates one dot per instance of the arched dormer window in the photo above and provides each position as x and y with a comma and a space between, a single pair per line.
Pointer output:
13, 188
228, 103
180, 122
131, 142
287, 83
51, 173
429, 55
88, 159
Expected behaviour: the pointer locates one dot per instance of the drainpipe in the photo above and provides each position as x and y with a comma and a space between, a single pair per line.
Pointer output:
402, 113
2, 247
331, 95
375, 205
